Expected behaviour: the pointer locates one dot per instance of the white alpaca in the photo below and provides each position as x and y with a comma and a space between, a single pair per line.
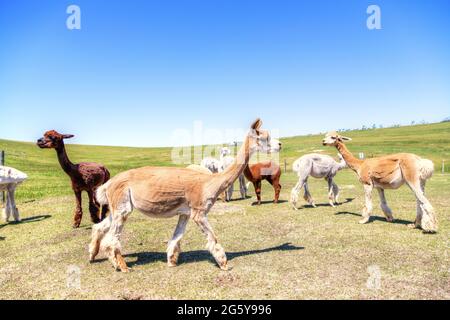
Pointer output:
225, 161
317, 166
210, 163
10, 178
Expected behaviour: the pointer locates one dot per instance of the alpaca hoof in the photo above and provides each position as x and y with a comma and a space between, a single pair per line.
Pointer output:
313, 205
125, 270
224, 267
75, 225
171, 264
390, 219
363, 221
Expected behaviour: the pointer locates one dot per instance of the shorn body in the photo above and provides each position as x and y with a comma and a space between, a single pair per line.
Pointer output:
318, 166
10, 178
164, 192
390, 172
266, 170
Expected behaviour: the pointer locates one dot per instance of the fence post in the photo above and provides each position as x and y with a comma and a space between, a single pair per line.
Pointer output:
2, 163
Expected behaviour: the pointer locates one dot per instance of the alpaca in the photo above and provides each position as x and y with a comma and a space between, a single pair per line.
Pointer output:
317, 166
227, 160
211, 164
10, 178
164, 192
85, 176
390, 172
267, 170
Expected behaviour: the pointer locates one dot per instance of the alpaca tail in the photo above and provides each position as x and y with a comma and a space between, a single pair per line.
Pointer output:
100, 194
426, 169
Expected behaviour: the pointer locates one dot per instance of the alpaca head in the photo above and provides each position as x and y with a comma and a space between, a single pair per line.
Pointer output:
260, 140
332, 139
275, 145
52, 139
225, 151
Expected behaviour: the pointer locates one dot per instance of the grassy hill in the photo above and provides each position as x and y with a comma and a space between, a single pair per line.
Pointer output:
274, 251
47, 179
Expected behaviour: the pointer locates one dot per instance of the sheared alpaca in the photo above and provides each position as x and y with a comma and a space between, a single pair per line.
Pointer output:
267, 170
85, 176
164, 192
390, 172
211, 164
317, 166
10, 178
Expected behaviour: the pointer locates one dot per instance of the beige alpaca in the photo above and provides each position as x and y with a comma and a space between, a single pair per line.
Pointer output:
164, 192
390, 172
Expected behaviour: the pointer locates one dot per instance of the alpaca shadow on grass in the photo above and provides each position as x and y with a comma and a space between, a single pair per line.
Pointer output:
200, 255
269, 202
238, 199
307, 206
376, 218
27, 220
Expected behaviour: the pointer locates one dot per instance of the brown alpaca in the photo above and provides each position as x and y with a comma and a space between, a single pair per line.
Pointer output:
85, 176
267, 170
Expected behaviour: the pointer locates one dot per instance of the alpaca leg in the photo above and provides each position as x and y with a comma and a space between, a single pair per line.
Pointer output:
367, 211
78, 210
419, 213
335, 193
330, 192
230, 192
213, 246
14, 211
277, 187
277, 192
384, 206
428, 221
94, 208
111, 240
242, 187
257, 185
307, 196
7, 209
294, 193
174, 249
98, 232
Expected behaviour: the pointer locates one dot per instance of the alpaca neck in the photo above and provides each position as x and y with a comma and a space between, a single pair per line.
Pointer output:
63, 159
230, 174
351, 161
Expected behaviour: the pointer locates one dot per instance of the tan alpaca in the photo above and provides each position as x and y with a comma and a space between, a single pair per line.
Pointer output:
390, 172
164, 192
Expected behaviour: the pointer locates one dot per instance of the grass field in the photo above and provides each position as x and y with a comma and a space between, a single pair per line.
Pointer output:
274, 251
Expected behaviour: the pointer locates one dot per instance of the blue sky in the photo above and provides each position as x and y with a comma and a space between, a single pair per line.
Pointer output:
138, 70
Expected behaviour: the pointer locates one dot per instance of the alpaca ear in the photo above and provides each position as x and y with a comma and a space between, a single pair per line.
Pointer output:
257, 124
346, 138
67, 136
